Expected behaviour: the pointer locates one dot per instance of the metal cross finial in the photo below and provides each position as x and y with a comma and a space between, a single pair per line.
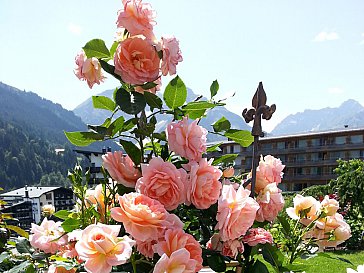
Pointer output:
260, 110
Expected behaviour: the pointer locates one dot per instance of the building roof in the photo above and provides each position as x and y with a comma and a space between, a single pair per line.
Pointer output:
34, 192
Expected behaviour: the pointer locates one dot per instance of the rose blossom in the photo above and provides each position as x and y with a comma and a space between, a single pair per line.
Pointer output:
175, 239
171, 55
179, 261
164, 182
236, 212
269, 171
204, 186
330, 206
102, 249
271, 202
257, 236
136, 61
88, 69
60, 269
121, 168
48, 236
143, 218
187, 140
232, 248
228, 172
146, 248
137, 18
305, 208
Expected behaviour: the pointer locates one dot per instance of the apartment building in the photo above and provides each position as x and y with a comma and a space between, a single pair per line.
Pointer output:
310, 158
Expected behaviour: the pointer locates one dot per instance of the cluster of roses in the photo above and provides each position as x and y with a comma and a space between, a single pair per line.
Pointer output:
329, 229
139, 57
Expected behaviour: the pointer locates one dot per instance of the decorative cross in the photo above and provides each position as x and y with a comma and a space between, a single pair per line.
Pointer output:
260, 110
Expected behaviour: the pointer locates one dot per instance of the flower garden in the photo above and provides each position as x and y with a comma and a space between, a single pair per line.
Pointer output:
163, 206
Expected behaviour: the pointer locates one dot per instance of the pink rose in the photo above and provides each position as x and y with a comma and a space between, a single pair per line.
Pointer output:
236, 212
171, 55
269, 171
175, 239
121, 168
60, 269
136, 61
179, 261
305, 208
88, 70
48, 236
258, 236
330, 206
232, 248
271, 202
187, 140
143, 218
146, 248
228, 172
164, 182
102, 249
204, 186
137, 18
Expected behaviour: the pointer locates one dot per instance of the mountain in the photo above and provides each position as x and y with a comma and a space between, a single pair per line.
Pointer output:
350, 113
89, 115
31, 128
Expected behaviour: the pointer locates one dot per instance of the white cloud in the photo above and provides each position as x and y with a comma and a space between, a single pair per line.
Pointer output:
75, 29
335, 90
326, 36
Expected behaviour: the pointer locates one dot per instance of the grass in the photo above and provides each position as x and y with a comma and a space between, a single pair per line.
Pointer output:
333, 265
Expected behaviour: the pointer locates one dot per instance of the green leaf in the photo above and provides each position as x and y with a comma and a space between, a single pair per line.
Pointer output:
214, 148
117, 125
23, 246
20, 268
198, 106
132, 150
293, 267
273, 255
130, 102
160, 136
71, 224
30, 269
153, 100
216, 263
175, 94
96, 48
62, 214
4, 256
285, 225
242, 137
18, 230
102, 102
113, 49
259, 267
129, 124
109, 69
221, 125
224, 159
83, 138
148, 85
214, 88
40, 256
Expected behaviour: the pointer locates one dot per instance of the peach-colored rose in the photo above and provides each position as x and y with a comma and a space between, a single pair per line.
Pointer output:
88, 69
121, 168
305, 208
164, 182
330, 206
48, 236
271, 202
60, 269
143, 218
136, 61
171, 55
204, 186
232, 248
102, 249
258, 236
236, 212
137, 18
175, 239
269, 171
228, 172
187, 140
179, 261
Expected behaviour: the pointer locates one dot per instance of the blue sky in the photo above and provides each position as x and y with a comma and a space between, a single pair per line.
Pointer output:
309, 54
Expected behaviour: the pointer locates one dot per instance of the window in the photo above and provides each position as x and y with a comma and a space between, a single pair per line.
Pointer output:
355, 154
281, 145
356, 139
302, 143
49, 196
340, 140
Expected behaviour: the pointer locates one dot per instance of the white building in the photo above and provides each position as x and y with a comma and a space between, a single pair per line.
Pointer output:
59, 197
